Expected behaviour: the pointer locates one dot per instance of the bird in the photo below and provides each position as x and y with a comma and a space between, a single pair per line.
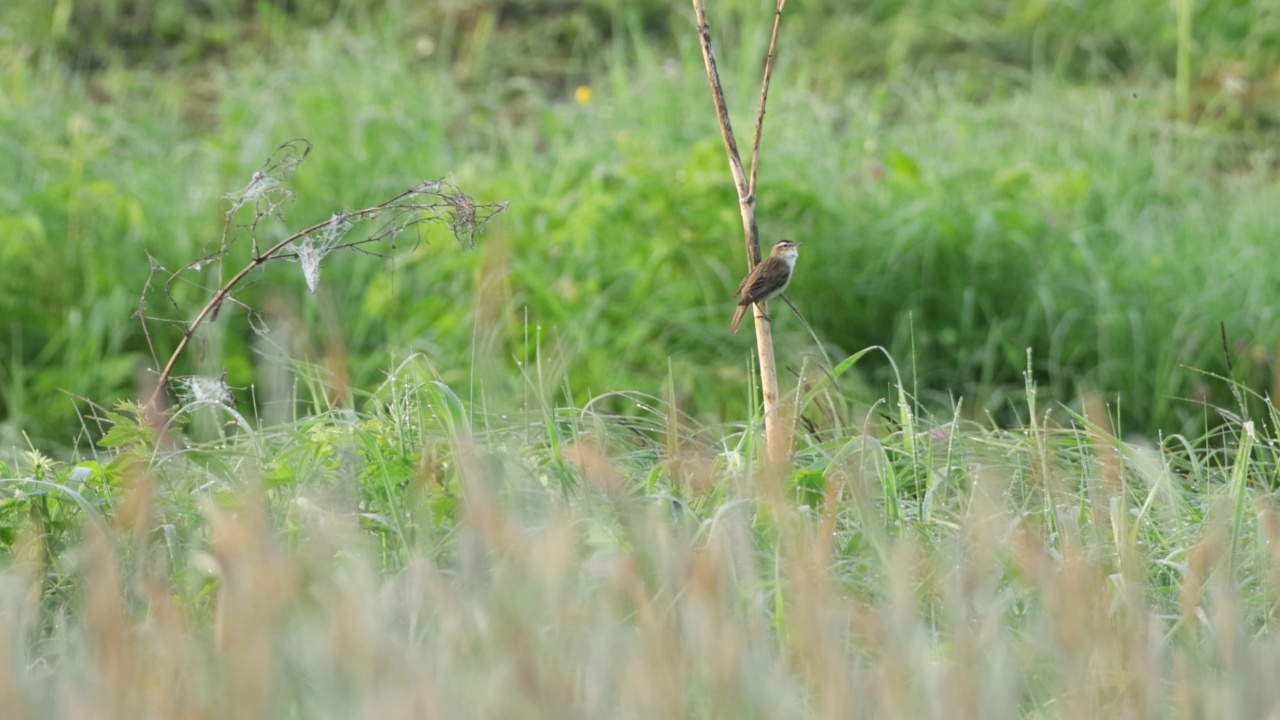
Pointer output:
767, 279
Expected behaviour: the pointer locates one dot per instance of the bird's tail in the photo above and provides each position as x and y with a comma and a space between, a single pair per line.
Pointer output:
737, 318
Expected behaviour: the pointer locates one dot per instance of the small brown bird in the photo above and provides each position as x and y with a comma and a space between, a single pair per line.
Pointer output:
768, 279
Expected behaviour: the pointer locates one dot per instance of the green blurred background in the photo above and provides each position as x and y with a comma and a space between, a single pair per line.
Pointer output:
1095, 181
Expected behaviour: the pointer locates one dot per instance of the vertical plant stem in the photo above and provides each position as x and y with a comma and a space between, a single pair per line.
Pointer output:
776, 439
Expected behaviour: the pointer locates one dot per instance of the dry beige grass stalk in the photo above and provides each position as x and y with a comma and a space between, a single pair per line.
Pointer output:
776, 422
570, 610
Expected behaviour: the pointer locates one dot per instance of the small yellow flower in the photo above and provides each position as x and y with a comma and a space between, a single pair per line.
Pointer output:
582, 94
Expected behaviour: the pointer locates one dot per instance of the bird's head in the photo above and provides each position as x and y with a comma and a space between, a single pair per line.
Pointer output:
785, 249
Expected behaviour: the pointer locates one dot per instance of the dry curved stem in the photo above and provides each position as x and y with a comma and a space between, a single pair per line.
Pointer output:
777, 439
764, 95
432, 201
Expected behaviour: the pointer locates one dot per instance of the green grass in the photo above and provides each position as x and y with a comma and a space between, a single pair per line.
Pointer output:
526, 479
427, 556
956, 217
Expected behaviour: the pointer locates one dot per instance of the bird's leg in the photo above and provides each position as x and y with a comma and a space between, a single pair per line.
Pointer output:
764, 312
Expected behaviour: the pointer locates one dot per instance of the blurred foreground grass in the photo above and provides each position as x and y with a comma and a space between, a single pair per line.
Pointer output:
426, 559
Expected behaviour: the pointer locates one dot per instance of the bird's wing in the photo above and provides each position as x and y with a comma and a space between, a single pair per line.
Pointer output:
754, 287
737, 294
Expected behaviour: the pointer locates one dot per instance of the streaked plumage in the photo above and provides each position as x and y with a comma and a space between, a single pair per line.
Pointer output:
769, 279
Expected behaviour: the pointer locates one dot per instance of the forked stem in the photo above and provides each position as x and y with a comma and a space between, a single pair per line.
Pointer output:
777, 440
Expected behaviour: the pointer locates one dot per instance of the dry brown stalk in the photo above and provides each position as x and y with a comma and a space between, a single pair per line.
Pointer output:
777, 439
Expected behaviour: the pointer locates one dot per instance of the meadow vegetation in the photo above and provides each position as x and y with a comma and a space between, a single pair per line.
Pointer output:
1035, 437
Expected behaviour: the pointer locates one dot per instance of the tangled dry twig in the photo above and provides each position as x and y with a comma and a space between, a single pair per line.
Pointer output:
428, 202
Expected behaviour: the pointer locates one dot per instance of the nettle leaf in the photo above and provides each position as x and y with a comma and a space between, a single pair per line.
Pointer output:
121, 433
128, 428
